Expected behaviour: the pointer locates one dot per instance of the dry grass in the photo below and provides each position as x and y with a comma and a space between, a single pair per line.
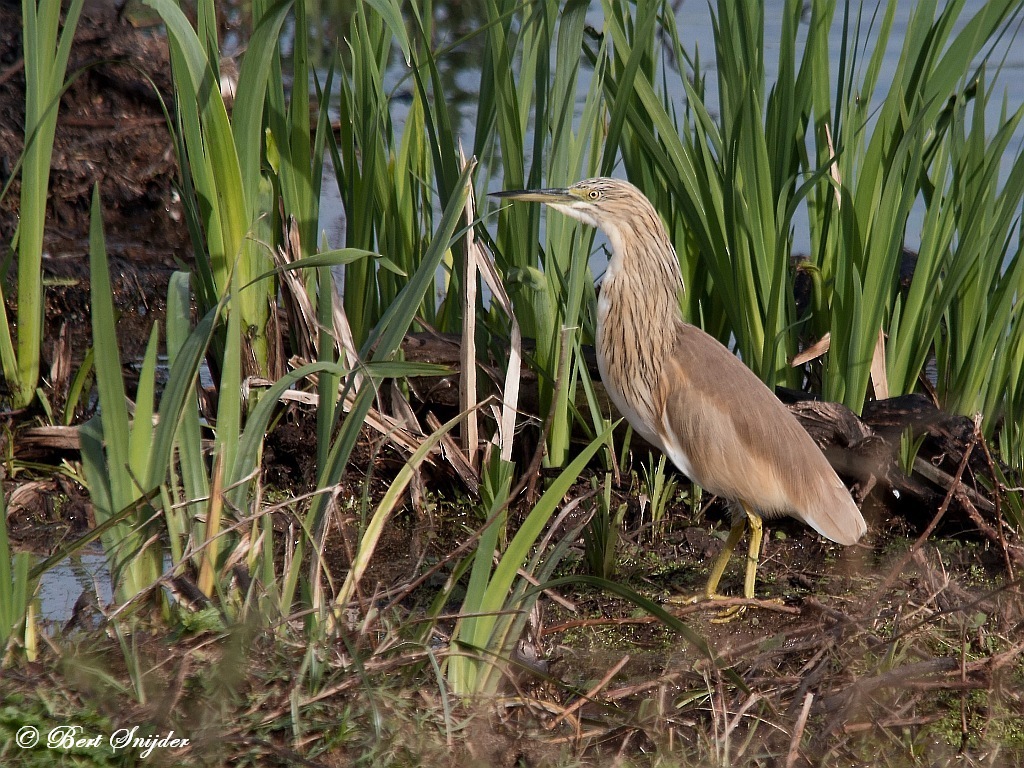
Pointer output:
901, 653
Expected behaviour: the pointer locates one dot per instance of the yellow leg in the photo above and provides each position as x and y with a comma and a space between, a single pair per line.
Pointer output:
735, 534
753, 553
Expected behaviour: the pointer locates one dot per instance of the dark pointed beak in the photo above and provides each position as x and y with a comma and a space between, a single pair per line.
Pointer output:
537, 195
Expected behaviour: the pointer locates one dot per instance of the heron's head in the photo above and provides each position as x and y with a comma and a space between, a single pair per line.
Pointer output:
608, 204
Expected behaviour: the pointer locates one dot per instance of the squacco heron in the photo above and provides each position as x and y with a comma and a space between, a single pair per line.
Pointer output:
686, 393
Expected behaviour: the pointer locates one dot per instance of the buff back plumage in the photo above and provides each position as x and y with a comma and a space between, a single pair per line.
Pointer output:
680, 388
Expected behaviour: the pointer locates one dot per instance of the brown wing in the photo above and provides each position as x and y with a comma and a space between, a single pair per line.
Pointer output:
740, 442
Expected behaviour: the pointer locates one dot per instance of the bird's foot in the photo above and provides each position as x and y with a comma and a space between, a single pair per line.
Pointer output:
685, 599
728, 614
732, 612
735, 607
739, 605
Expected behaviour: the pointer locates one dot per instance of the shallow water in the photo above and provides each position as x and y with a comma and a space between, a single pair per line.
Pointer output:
61, 586
461, 75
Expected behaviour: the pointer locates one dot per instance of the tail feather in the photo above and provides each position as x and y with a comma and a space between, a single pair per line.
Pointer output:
834, 514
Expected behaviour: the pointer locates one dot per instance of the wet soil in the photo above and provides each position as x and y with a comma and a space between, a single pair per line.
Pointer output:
111, 132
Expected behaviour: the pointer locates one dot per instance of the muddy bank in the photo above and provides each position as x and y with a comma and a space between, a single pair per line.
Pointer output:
111, 131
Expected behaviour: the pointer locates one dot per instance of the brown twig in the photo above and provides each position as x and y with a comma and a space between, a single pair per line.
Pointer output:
703, 605
589, 695
998, 661
798, 731
728, 602
896, 570
997, 499
625, 692
992, 533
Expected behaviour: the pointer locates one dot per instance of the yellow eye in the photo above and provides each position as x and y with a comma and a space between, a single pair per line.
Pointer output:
594, 194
